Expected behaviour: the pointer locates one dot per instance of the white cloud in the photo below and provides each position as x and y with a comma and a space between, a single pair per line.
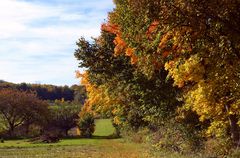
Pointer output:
14, 15
38, 39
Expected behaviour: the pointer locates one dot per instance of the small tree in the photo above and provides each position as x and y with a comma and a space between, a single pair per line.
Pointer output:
19, 108
86, 124
64, 116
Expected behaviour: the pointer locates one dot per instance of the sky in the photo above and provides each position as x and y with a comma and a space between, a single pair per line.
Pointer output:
38, 38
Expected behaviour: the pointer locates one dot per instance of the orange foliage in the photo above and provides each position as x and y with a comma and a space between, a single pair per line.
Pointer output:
83, 77
164, 40
153, 26
165, 54
112, 28
134, 59
157, 65
120, 44
89, 88
99, 100
129, 52
175, 47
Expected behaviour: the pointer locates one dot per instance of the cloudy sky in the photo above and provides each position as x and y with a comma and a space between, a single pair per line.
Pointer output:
37, 37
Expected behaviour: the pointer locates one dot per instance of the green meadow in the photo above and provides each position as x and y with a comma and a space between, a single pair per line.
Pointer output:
100, 146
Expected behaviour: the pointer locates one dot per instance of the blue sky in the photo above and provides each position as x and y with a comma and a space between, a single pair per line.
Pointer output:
37, 38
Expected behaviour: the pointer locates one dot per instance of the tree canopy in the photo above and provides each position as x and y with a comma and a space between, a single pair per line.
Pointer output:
19, 108
197, 42
194, 43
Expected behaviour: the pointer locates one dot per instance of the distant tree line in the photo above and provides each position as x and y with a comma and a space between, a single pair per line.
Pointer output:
45, 112
50, 92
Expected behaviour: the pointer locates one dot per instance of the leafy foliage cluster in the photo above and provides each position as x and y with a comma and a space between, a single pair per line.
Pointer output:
21, 109
197, 42
118, 90
86, 124
63, 116
161, 59
23, 114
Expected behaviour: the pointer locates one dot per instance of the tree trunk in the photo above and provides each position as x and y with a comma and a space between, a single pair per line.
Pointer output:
66, 132
234, 129
11, 130
27, 129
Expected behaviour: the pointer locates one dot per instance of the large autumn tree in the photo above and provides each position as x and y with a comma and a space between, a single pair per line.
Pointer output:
115, 87
19, 108
197, 42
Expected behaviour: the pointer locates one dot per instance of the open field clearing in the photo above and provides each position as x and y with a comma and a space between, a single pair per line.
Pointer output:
97, 147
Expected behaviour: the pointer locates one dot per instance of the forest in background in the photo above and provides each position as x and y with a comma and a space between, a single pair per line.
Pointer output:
46, 112
50, 92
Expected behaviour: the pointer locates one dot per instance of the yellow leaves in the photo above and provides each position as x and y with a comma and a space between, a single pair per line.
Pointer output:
84, 78
116, 120
94, 93
169, 65
173, 42
197, 100
217, 128
190, 70
234, 108
87, 108
99, 99
78, 74
164, 40
200, 100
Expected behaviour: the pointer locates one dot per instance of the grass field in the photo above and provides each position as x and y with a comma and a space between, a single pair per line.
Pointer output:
103, 127
97, 147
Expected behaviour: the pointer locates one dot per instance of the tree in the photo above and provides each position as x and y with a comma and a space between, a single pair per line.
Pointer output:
64, 116
80, 94
115, 87
18, 108
197, 42
86, 124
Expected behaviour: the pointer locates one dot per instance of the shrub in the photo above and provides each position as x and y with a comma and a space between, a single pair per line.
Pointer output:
136, 136
64, 116
217, 147
176, 137
235, 153
86, 125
